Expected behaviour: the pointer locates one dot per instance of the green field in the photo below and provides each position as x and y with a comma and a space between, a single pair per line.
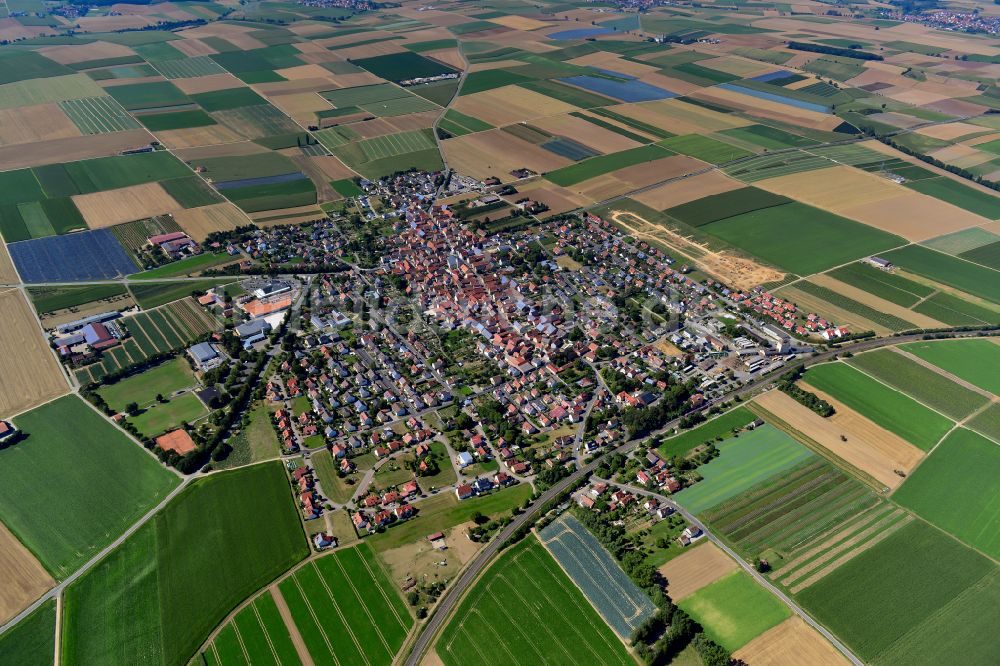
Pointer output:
142, 388
955, 489
802, 239
31, 642
955, 311
188, 266
727, 204
768, 137
256, 165
231, 98
49, 299
109, 173
156, 598
889, 286
289, 194
720, 426
158, 122
75, 460
346, 609
777, 164
975, 361
490, 79
402, 66
259, 630
387, 154
743, 462
37, 219
734, 610
528, 607
705, 148
987, 255
963, 196
49, 89
881, 601
946, 269
919, 382
598, 166
155, 95
98, 115
186, 68
888, 408
151, 295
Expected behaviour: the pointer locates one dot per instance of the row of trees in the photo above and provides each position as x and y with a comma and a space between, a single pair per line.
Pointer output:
786, 383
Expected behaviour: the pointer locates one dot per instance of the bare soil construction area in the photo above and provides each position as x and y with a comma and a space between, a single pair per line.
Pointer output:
29, 374
848, 435
739, 272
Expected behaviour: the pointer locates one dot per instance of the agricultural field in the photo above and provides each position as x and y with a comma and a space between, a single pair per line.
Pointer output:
734, 610
885, 406
622, 605
31, 376
166, 328
75, 459
31, 641
159, 595
954, 490
720, 426
558, 625
743, 461
972, 361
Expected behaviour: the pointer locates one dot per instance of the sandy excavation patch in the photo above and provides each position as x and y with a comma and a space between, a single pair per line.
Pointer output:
869, 447
873, 200
28, 124
791, 643
737, 272
879, 304
693, 570
421, 561
24, 578
104, 209
72, 149
30, 376
200, 222
689, 189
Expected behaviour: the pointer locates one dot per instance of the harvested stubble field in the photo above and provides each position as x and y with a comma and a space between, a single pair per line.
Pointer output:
34, 123
73, 458
694, 569
156, 598
558, 624
200, 222
29, 373
111, 207
851, 437
921, 383
24, 577
791, 642
622, 605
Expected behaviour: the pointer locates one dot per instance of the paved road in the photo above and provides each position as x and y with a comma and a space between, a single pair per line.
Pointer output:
472, 571
747, 567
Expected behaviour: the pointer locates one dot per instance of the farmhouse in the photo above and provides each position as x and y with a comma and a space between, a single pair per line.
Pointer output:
7, 431
175, 245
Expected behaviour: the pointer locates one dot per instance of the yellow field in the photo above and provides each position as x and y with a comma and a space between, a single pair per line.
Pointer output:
24, 578
702, 565
598, 138
689, 189
29, 373
949, 131
868, 447
509, 105
873, 200
199, 222
211, 83
28, 124
791, 643
520, 22
8, 275
497, 153
104, 209
681, 118
192, 137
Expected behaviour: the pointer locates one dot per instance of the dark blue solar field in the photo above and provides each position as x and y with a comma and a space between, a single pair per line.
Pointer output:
88, 255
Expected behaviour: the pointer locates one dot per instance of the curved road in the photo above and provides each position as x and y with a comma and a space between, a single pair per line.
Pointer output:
456, 591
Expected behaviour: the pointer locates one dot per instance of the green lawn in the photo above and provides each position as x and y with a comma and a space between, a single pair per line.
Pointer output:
157, 418
142, 388
919, 382
899, 589
742, 462
802, 239
334, 488
155, 599
49, 299
528, 607
734, 610
31, 642
188, 266
885, 406
720, 426
955, 489
97, 480
975, 361
445, 510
